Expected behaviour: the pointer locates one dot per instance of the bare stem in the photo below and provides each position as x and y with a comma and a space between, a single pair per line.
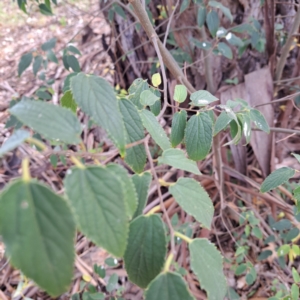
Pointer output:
286, 48
163, 208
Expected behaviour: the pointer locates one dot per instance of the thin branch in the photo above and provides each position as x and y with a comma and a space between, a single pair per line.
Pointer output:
168, 59
163, 71
169, 23
286, 48
163, 208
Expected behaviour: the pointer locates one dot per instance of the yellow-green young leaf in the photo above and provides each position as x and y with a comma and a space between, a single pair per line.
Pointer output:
259, 120
15, 140
156, 79
277, 178
131, 200
67, 101
176, 158
138, 86
97, 197
198, 136
168, 286
96, 98
178, 127
38, 231
202, 98
283, 250
51, 121
135, 156
207, 264
154, 128
146, 249
142, 184
193, 199
180, 93
148, 98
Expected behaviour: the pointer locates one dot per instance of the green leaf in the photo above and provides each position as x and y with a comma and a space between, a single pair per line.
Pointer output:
246, 125
277, 178
67, 82
223, 8
205, 45
178, 127
180, 93
168, 286
16, 139
296, 275
24, 63
97, 198
156, 108
148, 98
73, 63
259, 120
49, 44
37, 64
202, 98
44, 95
225, 50
222, 122
65, 61
297, 156
38, 231
264, 255
257, 232
282, 224
141, 183
154, 128
213, 22
135, 156
45, 10
130, 195
193, 199
119, 10
184, 5
295, 291
207, 264
232, 39
53, 122
51, 56
198, 136
240, 269
97, 99
146, 249
67, 101
73, 49
176, 158
235, 131
138, 86
201, 15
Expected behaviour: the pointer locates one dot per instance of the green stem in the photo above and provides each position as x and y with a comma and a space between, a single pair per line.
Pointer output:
77, 162
183, 237
37, 143
168, 59
168, 262
25, 170
287, 46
